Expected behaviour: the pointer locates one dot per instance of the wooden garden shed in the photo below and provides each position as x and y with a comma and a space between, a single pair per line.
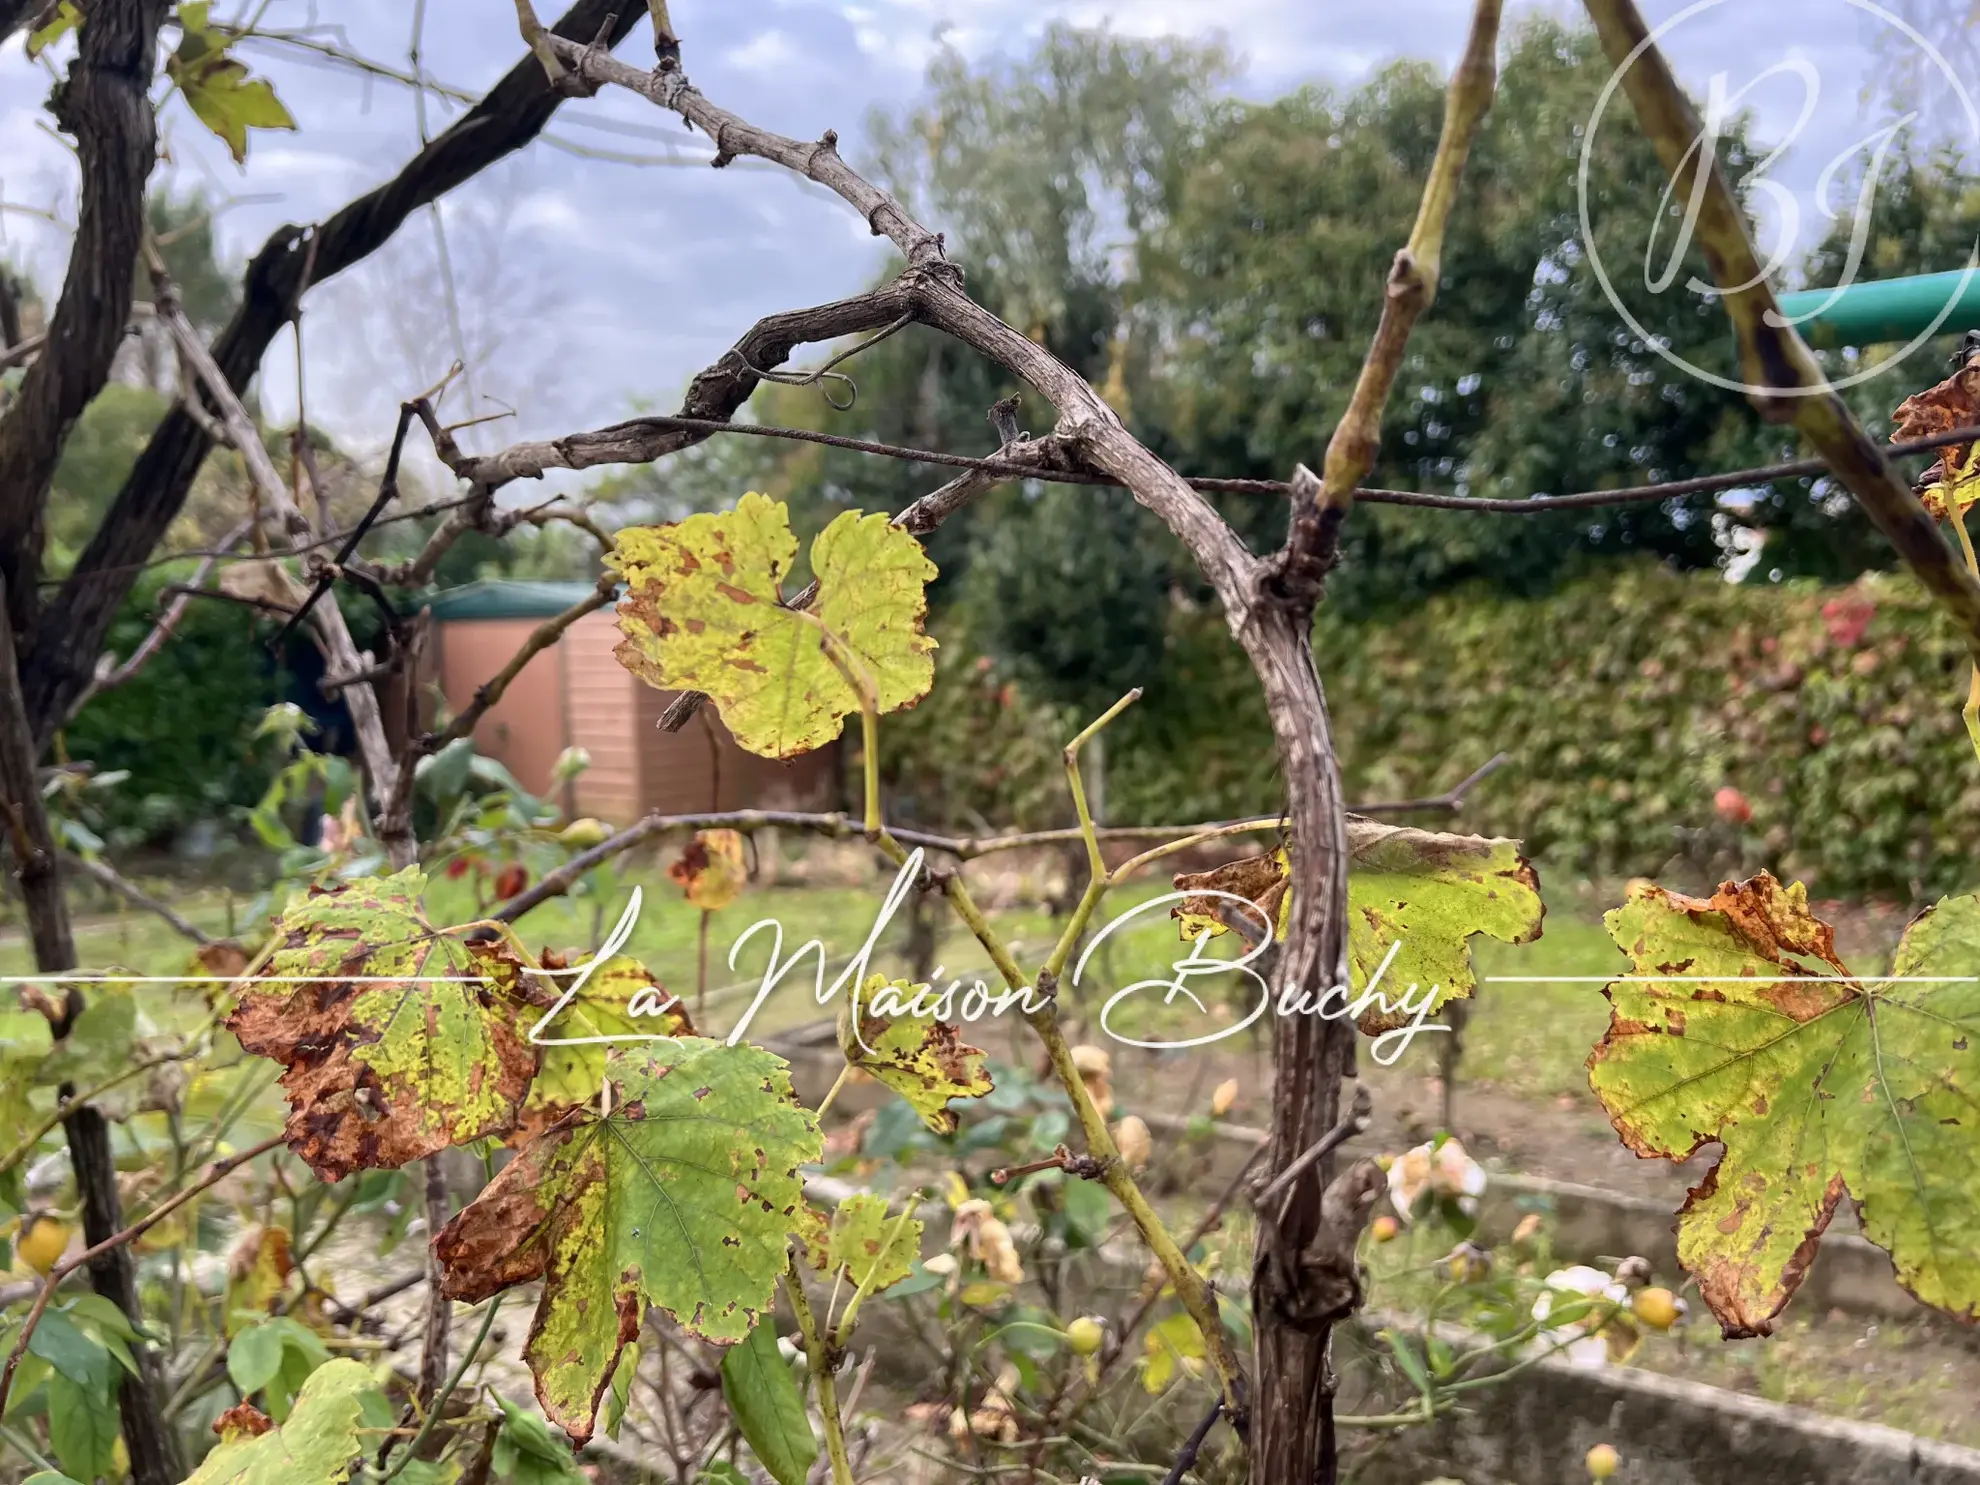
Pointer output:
574, 694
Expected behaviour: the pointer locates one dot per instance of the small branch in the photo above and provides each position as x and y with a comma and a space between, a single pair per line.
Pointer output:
388, 491
1080, 1167
541, 638
820, 1365
105, 876
1411, 288
817, 160
217, 1172
1356, 1122
110, 675
1193, 1445
1452, 799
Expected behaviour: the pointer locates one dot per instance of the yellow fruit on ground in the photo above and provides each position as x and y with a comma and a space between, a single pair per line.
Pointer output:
1384, 1229
1603, 1461
42, 1241
1657, 1308
1084, 1335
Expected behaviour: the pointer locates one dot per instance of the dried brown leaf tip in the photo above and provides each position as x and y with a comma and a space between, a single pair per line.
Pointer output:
399, 1039
1259, 880
1953, 403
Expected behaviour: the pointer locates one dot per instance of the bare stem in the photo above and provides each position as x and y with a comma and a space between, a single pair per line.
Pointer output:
820, 1365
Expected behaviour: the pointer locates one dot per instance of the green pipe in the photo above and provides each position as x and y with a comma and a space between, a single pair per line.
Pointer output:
1893, 309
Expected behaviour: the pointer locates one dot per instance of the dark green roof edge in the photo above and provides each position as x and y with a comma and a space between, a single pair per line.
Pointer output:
503, 598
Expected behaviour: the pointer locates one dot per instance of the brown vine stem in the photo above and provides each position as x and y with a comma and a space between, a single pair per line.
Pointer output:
1412, 283
218, 1171
1784, 383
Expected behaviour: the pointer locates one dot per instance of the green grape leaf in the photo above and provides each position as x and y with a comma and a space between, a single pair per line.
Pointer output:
218, 88
1954, 480
1430, 893
767, 1407
704, 612
400, 1039
861, 1238
685, 1196
1818, 1085
526, 1453
1416, 898
319, 1445
99, 1042
920, 1058
620, 998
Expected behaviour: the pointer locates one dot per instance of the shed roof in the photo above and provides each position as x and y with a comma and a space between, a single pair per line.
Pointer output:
502, 598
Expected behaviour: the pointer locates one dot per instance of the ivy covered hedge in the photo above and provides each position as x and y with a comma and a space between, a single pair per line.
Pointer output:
1626, 703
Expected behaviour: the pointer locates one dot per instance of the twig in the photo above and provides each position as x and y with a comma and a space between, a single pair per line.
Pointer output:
1411, 287
388, 491
1193, 1445
644, 439
1355, 1123
217, 1172
438, 1405
128, 890
109, 674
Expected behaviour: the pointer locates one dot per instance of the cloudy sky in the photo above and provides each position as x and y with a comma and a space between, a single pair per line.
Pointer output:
591, 286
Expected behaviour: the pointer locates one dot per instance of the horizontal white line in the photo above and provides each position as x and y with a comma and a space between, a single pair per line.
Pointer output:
62, 975
1782, 979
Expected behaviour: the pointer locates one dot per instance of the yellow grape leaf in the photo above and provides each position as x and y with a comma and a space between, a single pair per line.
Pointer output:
257, 1276
920, 1058
1953, 403
876, 1249
321, 1443
218, 88
620, 998
1416, 898
1819, 1086
704, 611
711, 871
66, 18
1174, 1345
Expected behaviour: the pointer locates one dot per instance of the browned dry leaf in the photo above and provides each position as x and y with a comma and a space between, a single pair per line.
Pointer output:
399, 1039
711, 870
1259, 880
1953, 403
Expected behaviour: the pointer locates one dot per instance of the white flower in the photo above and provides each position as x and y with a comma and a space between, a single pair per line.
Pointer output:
1444, 1169
1599, 1338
